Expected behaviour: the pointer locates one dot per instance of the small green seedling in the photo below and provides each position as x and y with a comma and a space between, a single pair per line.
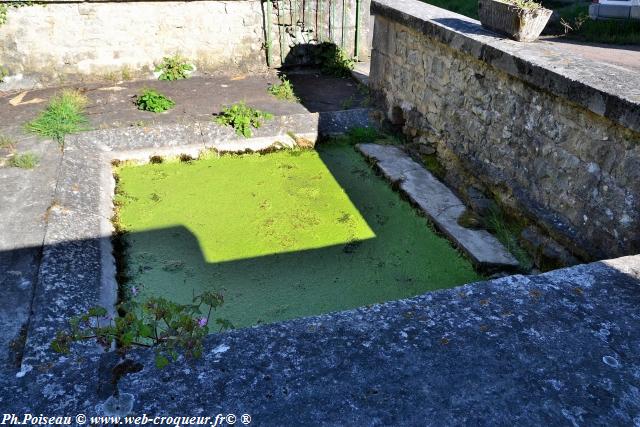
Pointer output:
242, 118
173, 68
24, 161
283, 90
64, 115
151, 100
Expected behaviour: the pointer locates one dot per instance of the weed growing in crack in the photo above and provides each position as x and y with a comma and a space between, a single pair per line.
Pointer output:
283, 90
242, 118
153, 101
24, 161
174, 68
64, 115
506, 232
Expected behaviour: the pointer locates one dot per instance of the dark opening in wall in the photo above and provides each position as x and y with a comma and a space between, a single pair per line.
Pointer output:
397, 116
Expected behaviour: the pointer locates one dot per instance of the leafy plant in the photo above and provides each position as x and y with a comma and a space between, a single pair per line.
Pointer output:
151, 100
283, 90
174, 68
64, 115
167, 327
335, 61
242, 118
24, 161
4, 9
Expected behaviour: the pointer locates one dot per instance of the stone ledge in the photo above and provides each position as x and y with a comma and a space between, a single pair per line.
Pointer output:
557, 348
606, 90
438, 203
77, 270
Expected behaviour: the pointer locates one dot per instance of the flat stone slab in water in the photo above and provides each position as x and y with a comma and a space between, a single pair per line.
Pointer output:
440, 205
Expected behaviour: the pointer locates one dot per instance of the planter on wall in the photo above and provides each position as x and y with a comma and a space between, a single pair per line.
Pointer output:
518, 23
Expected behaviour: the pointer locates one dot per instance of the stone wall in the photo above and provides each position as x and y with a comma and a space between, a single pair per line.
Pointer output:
548, 137
65, 40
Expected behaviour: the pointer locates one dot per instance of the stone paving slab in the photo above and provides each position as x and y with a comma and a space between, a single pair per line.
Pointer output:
440, 205
111, 105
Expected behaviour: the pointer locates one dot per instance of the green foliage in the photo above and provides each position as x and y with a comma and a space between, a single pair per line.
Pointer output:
151, 100
334, 60
174, 68
242, 118
359, 135
577, 25
506, 232
575, 21
464, 7
167, 327
64, 115
4, 9
4, 72
283, 90
24, 161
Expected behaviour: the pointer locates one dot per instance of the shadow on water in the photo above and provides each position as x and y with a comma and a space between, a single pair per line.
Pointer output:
401, 258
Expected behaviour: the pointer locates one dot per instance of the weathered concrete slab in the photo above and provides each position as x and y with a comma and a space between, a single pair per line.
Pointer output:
440, 205
25, 196
76, 251
111, 105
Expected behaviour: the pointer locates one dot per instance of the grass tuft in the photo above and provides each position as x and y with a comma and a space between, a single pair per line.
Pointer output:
24, 161
7, 143
64, 115
506, 232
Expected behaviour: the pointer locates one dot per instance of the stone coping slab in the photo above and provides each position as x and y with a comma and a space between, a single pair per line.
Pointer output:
559, 348
440, 205
606, 90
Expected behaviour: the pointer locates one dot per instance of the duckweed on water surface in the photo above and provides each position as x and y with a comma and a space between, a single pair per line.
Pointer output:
286, 234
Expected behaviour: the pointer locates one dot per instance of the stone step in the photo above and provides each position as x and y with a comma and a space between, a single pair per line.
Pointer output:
440, 205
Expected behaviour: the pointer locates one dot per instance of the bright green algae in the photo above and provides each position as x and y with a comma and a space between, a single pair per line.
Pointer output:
286, 234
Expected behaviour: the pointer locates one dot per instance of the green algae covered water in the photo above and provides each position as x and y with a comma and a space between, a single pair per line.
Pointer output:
283, 235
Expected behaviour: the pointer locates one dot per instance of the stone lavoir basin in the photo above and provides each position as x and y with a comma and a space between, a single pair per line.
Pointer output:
283, 235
